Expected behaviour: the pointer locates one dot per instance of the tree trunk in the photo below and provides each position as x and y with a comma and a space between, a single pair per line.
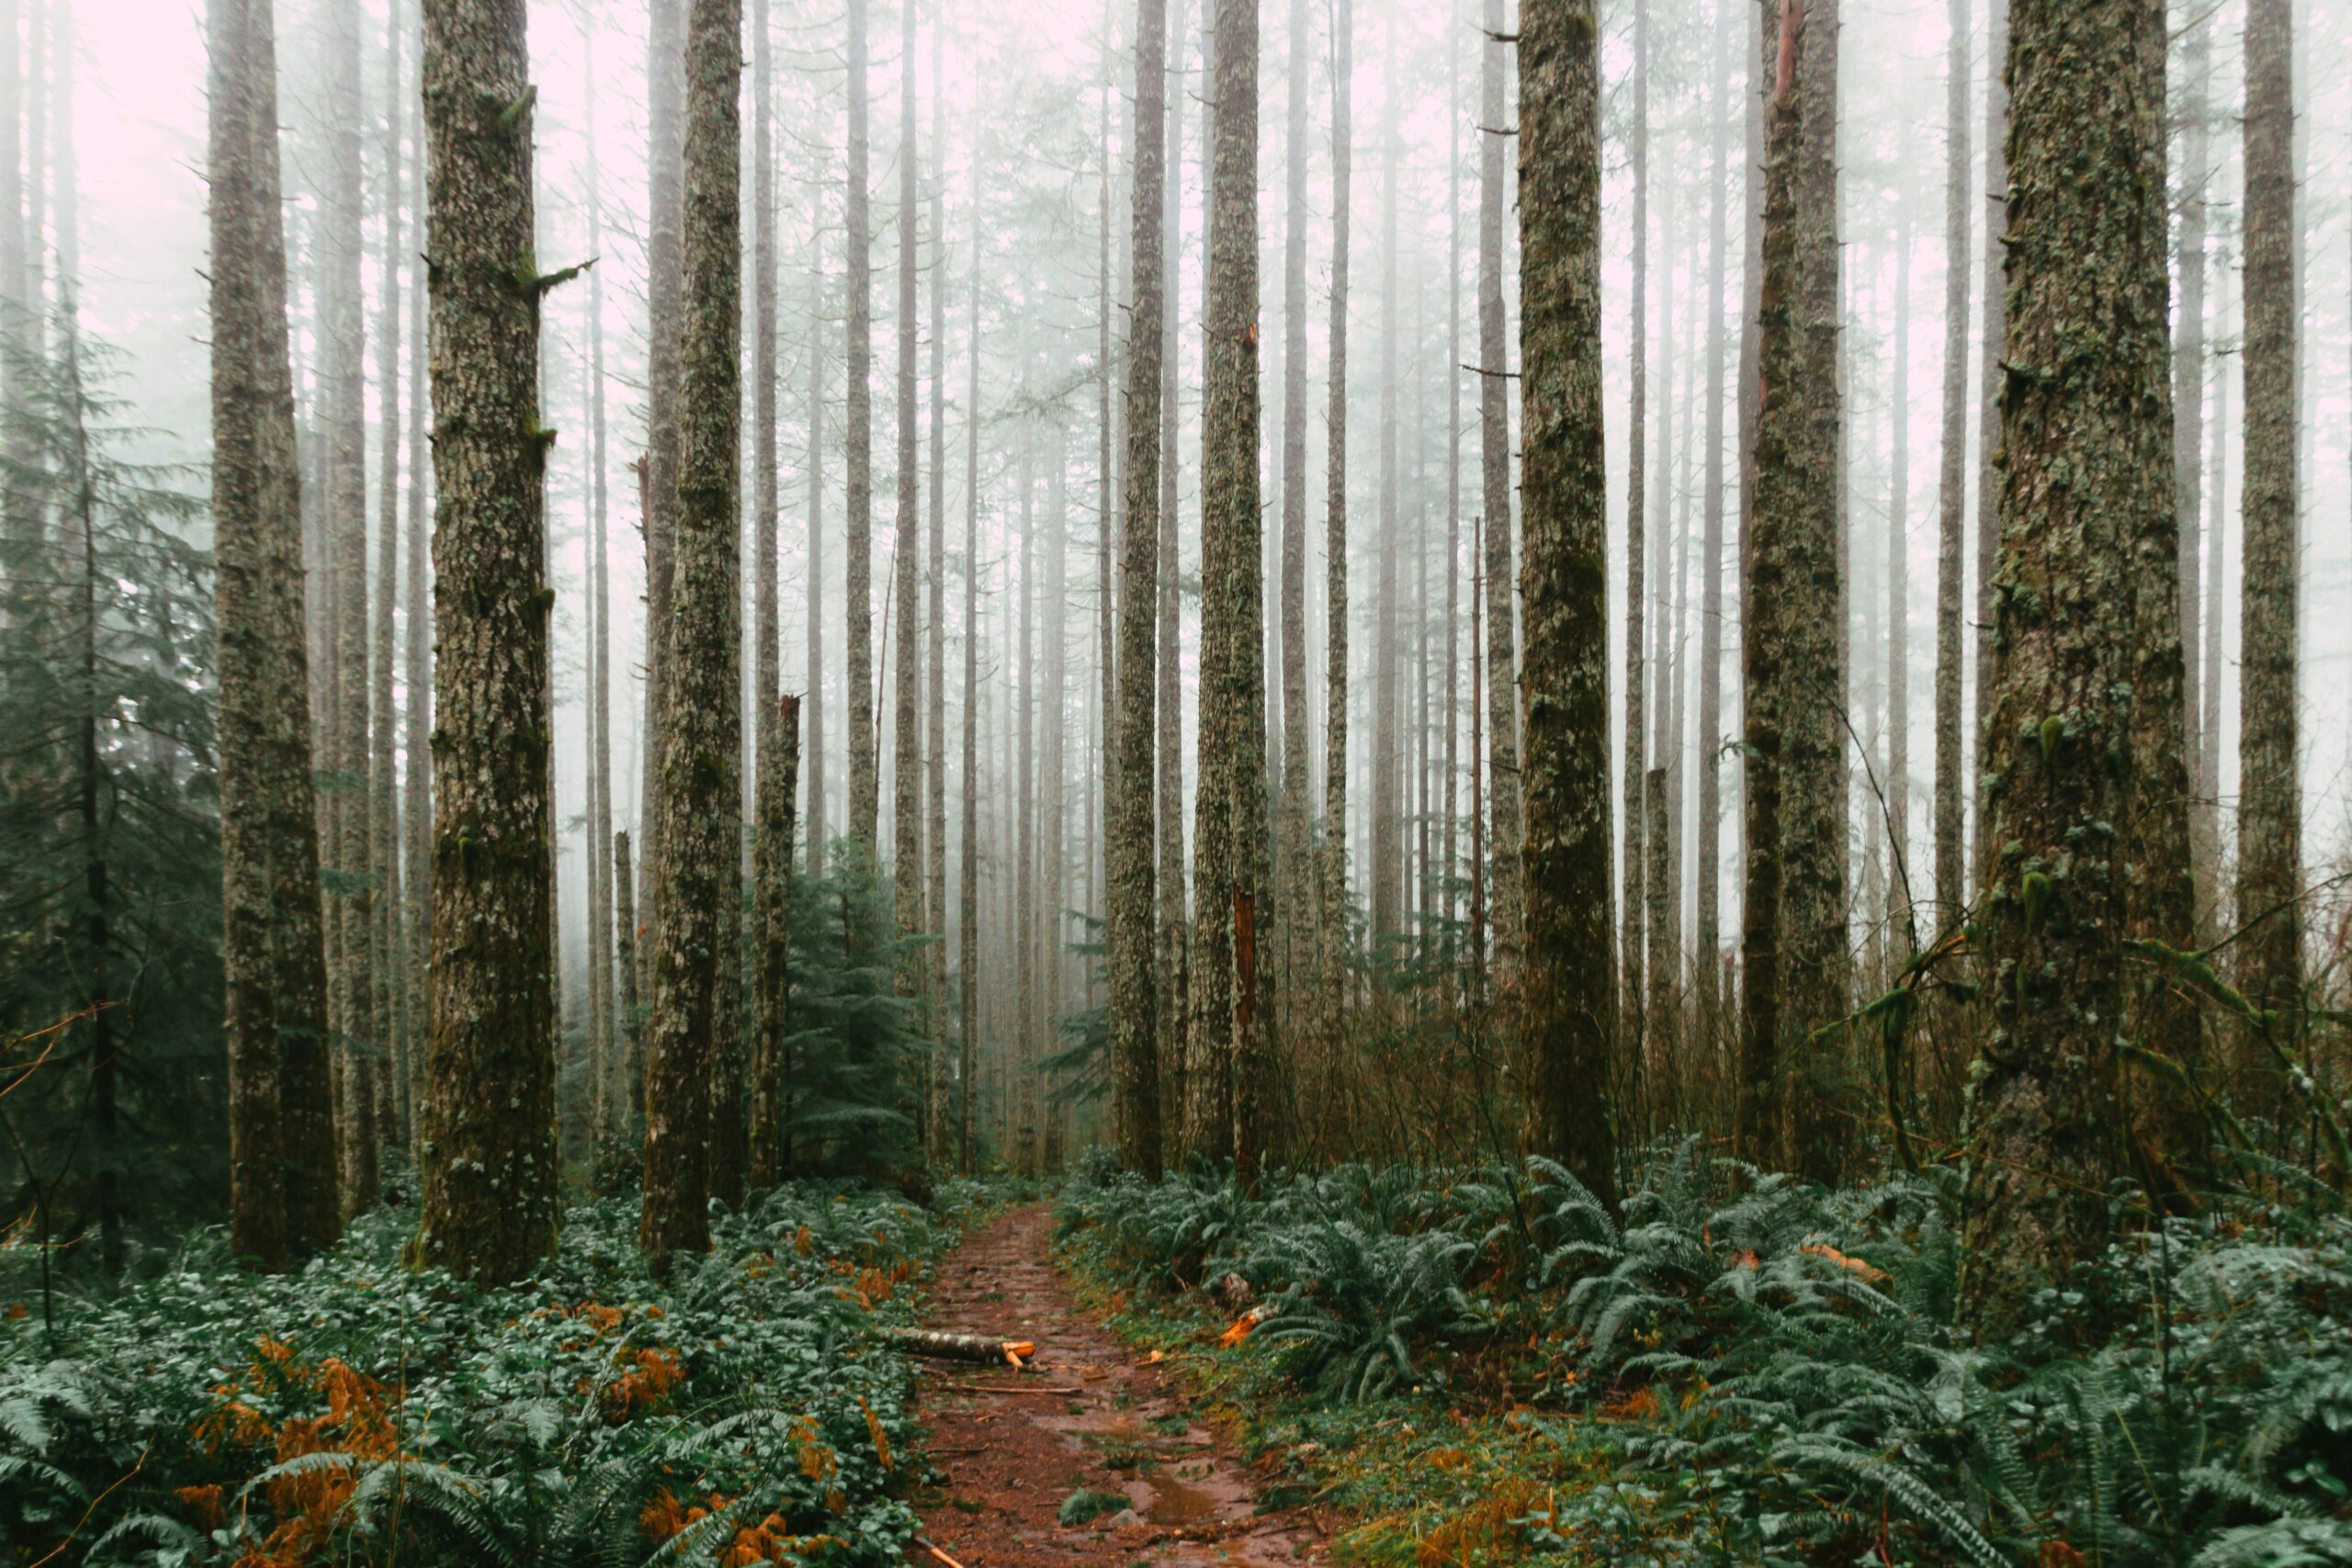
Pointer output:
1708, 946
658, 482
491, 1204
1293, 878
1564, 1004
1824, 1103
701, 741
1168, 703
968, 965
2269, 794
1988, 431
343, 413
1232, 991
865, 778
416, 801
611, 1121
282, 1175
771, 880
1334, 942
1902, 938
1133, 1017
935, 623
2088, 470
1951, 482
631, 1091
1453, 479
1494, 430
905, 798
388, 933
1385, 875
814, 823
1024, 805
2189, 450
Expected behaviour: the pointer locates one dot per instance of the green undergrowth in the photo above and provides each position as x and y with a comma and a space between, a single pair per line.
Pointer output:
1484, 1368
359, 1412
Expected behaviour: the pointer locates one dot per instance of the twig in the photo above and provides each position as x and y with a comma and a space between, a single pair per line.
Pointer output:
140, 1463
1004, 1388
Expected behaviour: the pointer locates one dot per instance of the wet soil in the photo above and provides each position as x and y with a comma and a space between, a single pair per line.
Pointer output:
1115, 1424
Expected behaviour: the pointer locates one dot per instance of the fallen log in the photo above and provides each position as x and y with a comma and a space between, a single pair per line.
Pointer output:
1012, 1388
986, 1349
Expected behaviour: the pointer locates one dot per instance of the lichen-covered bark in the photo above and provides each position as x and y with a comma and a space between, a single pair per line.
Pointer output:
2160, 900
1633, 912
658, 476
967, 967
1134, 1034
343, 413
386, 934
864, 779
1232, 992
1824, 1095
1385, 875
701, 740
2086, 458
628, 1092
1952, 475
490, 1172
1988, 426
1777, 477
1494, 451
1294, 876
1167, 701
906, 795
772, 893
1334, 847
2269, 796
282, 1175
1708, 947
1566, 997
416, 801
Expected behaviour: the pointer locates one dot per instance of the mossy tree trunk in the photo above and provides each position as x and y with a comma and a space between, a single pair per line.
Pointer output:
1133, 1005
1233, 992
2270, 798
491, 1179
2087, 472
1565, 992
701, 742
282, 1173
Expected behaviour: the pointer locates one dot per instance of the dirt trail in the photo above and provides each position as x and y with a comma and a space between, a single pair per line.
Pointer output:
1009, 1459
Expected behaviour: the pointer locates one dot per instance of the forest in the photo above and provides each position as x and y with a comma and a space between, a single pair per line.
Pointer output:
753, 809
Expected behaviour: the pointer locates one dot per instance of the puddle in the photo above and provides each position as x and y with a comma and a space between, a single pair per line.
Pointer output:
1176, 1504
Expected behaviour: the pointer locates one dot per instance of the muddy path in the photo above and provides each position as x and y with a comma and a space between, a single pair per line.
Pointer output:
1113, 1424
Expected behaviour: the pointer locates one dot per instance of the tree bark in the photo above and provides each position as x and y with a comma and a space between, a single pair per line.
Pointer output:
2270, 881
1385, 875
1988, 431
967, 966
1565, 1001
601, 1048
2188, 364
701, 741
658, 482
864, 779
282, 1173
1708, 946
343, 413
1294, 876
416, 804
491, 1199
1334, 919
906, 797
813, 819
1167, 702
772, 879
2087, 469
631, 1091
935, 622
1952, 481
1494, 430
1233, 991
1825, 1101
1134, 1036
388, 935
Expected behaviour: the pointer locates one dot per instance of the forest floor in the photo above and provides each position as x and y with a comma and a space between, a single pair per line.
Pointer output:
1017, 1460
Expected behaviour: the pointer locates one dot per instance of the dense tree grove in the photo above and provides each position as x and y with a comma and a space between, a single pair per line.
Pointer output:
1809, 718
